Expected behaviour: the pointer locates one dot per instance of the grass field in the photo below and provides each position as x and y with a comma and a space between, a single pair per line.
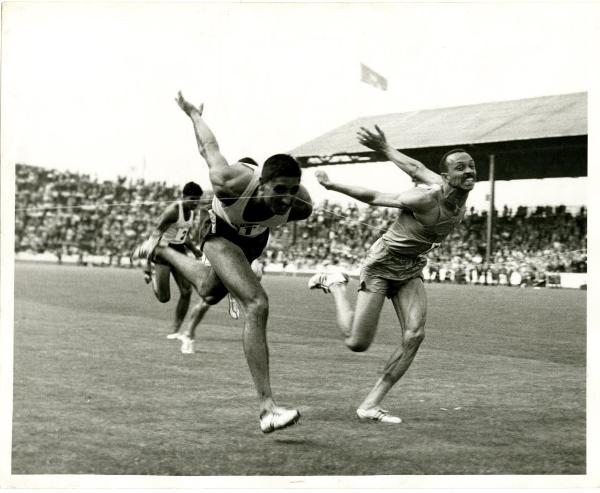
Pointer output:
498, 386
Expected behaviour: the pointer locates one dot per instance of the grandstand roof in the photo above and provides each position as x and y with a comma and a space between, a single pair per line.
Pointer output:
523, 126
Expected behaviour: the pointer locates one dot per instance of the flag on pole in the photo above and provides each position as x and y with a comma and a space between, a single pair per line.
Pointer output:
369, 76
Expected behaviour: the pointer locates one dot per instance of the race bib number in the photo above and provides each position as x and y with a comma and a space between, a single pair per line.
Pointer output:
181, 234
250, 229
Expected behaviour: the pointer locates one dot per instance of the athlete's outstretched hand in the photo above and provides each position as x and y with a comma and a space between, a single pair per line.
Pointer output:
188, 108
322, 178
372, 140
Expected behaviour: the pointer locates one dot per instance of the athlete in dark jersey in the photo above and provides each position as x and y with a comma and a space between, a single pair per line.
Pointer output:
393, 266
270, 196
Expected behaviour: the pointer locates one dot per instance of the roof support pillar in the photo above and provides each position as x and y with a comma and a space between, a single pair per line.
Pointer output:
490, 219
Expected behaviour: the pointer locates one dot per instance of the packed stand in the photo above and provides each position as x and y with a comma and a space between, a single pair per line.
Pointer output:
68, 213
71, 214
527, 243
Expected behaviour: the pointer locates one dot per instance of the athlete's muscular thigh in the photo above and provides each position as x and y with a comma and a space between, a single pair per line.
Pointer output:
212, 290
410, 303
233, 269
185, 287
161, 282
366, 319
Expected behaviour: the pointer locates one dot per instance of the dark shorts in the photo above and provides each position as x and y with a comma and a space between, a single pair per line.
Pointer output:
213, 290
178, 247
385, 272
252, 246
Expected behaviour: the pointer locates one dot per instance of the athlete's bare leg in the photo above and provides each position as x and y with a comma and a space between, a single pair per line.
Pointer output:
185, 295
196, 316
200, 309
191, 269
343, 308
232, 268
358, 325
410, 304
196, 274
161, 282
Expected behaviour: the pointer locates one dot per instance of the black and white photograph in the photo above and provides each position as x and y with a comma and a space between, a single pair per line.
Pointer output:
298, 245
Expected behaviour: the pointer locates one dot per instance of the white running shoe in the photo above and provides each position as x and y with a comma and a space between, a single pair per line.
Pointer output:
377, 414
278, 418
174, 335
234, 308
187, 344
323, 280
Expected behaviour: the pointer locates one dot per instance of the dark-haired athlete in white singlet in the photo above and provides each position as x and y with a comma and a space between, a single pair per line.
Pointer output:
248, 202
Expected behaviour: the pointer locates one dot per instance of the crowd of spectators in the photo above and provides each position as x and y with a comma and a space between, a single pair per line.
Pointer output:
527, 243
71, 214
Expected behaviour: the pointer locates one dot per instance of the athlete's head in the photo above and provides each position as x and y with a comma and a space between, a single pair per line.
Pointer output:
191, 195
280, 182
457, 168
248, 160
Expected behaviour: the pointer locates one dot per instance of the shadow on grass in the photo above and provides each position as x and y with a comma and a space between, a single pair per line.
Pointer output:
296, 441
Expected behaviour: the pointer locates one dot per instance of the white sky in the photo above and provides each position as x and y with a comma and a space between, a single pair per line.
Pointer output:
90, 86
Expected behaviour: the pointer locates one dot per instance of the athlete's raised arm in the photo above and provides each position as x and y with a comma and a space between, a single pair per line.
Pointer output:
226, 180
417, 200
413, 168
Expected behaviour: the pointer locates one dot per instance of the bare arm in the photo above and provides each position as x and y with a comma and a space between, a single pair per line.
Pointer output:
168, 217
416, 199
413, 168
226, 180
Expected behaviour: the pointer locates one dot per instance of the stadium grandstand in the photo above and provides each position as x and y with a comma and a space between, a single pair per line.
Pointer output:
543, 137
70, 217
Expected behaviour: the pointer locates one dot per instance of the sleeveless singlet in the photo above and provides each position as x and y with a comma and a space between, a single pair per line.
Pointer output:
407, 236
178, 231
233, 214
